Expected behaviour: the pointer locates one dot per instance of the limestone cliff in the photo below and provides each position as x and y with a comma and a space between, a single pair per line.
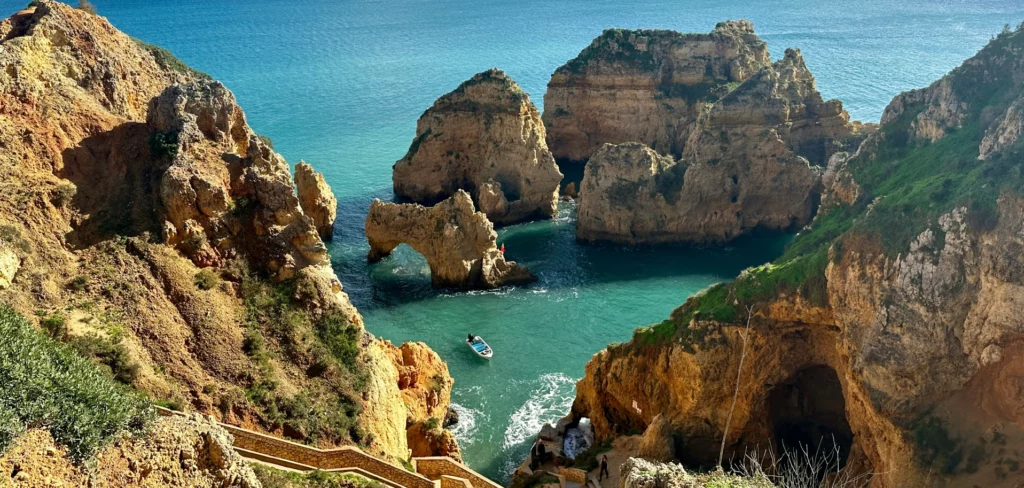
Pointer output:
144, 221
458, 242
486, 138
317, 199
888, 326
749, 135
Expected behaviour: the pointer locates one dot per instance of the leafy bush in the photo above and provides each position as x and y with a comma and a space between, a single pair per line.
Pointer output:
55, 325
78, 283
110, 355
163, 145
206, 279
63, 194
45, 384
168, 61
266, 140
87, 6
274, 478
536, 479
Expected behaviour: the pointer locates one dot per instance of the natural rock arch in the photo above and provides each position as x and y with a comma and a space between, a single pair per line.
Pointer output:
459, 243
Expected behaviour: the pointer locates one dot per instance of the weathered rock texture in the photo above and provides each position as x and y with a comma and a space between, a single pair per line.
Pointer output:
750, 136
176, 452
890, 323
486, 138
123, 172
458, 242
317, 199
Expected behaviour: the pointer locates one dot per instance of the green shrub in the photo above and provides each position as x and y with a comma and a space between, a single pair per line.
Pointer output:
63, 194
168, 61
46, 384
341, 338
266, 140
206, 279
536, 479
78, 283
110, 355
274, 478
86, 6
163, 145
55, 325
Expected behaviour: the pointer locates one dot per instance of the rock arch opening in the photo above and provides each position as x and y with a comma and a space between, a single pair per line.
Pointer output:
808, 411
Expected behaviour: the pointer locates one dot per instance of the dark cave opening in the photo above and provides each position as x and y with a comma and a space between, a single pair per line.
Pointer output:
808, 412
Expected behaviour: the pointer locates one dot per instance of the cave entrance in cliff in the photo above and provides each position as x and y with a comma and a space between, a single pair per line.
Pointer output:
807, 413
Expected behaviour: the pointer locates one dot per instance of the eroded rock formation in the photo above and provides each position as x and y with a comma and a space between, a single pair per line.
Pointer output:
177, 451
486, 138
458, 242
749, 149
123, 174
317, 199
888, 327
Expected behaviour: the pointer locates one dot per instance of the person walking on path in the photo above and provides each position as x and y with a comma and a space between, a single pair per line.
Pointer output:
604, 468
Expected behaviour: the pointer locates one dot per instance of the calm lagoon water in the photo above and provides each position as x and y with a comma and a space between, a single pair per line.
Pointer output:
341, 84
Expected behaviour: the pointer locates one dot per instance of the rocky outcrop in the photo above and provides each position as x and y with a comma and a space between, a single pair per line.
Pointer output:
654, 87
632, 195
645, 86
458, 242
181, 451
9, 264
317, 199
886, 328
486, 138
214, 208
123, 173
750, 136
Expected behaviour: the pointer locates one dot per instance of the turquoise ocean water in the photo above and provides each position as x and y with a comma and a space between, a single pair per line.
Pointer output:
341, 84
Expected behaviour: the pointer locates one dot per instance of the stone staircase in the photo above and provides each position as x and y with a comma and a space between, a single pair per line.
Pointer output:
428, 472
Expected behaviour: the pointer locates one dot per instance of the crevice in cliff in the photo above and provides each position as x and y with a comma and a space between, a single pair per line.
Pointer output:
808, 411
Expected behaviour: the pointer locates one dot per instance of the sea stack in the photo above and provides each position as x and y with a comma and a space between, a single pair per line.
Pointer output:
459, 243
730, 142
485, 137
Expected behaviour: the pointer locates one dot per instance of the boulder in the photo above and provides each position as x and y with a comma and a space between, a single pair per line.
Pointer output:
486, 138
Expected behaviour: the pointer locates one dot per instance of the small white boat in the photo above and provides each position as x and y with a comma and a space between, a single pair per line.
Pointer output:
479, 347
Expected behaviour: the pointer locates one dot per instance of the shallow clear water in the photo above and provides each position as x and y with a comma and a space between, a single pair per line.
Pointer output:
341, 83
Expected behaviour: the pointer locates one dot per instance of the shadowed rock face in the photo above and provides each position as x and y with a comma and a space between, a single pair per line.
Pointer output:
486, 138
458, 242
749, 157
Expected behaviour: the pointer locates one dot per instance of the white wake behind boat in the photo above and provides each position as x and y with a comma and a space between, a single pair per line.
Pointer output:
480, 347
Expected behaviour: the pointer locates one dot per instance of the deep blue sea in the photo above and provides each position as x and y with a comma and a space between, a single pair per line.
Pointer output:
341, 84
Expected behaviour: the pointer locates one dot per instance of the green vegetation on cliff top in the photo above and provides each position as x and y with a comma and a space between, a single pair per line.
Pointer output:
905, 184
47, 385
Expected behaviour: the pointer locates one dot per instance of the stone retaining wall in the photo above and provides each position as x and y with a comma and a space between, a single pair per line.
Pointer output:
436, 467
444, 470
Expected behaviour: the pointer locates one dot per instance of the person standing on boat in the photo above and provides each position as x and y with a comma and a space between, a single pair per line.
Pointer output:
604, 469
470, 338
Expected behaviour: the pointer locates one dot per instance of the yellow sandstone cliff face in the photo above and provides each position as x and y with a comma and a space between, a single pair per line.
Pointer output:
903, 351
124, 175
749, 144
486, 138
